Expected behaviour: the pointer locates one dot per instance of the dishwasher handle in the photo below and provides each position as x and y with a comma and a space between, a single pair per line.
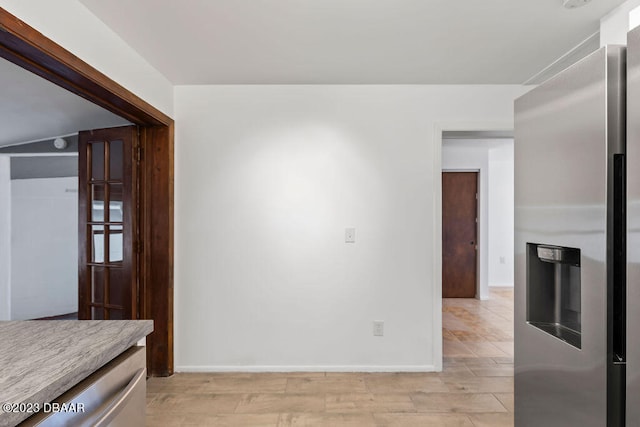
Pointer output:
104, 418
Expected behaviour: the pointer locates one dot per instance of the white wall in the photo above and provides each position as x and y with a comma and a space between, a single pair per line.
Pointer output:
634, 17
44, 260
5, 238
615, 25
70, 24
501, 205
267, 179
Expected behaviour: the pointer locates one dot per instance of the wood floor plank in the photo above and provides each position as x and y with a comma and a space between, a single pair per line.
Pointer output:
164, 420
368, 402
492, 420
194, 403
405, 383
422, 420
506, 399
480, 384
232, 420
287, 402
324, 419
456, 402
501, 370
334, 384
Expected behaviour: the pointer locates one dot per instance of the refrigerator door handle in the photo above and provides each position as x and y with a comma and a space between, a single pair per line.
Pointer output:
616, 370
619, 326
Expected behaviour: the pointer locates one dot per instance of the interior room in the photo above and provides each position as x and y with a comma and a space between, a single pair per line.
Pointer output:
40, 193
275, 244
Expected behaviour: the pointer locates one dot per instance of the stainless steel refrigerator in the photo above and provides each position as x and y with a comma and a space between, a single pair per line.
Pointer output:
577, 244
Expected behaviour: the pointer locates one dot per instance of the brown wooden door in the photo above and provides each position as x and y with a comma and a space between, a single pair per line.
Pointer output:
107, 224
459, 234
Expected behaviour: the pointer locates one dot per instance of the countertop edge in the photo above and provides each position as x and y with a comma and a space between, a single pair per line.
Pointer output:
85, 368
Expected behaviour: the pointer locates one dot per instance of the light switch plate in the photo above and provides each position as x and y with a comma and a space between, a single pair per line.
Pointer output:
350, 235
378, 328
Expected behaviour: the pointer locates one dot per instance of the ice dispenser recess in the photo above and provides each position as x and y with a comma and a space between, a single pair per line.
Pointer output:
553, 291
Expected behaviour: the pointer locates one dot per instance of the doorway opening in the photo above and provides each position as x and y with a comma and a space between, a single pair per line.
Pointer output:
29, 49
477, 268
39, 193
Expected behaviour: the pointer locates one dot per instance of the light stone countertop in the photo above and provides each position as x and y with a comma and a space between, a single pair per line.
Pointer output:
40, 360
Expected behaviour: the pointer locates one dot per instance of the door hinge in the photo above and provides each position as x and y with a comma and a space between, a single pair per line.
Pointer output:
476, 196
139, 246
139, 154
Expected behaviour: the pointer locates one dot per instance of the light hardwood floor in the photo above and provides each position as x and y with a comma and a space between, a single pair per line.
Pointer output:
475, 388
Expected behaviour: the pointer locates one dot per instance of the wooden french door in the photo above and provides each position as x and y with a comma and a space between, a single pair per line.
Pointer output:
459, 231
108, 227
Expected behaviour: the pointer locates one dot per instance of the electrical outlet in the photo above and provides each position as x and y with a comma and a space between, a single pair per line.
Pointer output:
502, 260
350, 235
378, 328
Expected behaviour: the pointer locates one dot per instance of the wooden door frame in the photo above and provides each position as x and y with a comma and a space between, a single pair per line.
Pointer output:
29, 49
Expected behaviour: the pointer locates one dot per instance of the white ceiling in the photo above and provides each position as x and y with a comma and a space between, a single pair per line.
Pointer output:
350, 41
31, 108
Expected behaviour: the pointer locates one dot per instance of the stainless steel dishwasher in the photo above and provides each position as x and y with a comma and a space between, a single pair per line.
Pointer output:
114, 395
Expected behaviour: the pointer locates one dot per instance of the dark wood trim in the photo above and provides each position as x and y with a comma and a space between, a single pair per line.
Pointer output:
157, 236
84, 163
28, 48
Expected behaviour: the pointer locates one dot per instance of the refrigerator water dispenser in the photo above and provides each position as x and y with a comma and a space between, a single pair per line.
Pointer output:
553, 291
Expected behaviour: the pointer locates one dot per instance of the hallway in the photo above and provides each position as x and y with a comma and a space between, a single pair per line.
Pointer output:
479, 329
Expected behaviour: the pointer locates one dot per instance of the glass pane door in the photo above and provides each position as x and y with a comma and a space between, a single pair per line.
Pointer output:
108, 229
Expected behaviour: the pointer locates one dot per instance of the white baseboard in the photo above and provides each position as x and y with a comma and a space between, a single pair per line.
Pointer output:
305, 368
502, 285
